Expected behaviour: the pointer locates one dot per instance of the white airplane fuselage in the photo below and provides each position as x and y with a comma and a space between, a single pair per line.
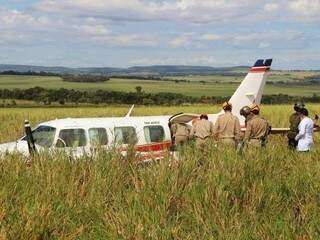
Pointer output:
141, 128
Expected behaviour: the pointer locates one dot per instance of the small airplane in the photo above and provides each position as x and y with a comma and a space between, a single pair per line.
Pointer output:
150, 135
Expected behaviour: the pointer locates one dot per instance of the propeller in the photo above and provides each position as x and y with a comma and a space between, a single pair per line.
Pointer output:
30, 139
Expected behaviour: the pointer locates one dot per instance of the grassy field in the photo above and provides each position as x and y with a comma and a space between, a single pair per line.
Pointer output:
12, 119
193, 88
271, 194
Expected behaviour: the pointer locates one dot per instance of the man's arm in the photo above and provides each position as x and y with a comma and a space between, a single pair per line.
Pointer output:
215, 128
192, 132
248, 131
237, 130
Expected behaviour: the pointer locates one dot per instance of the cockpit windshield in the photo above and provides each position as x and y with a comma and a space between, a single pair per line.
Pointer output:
43, 136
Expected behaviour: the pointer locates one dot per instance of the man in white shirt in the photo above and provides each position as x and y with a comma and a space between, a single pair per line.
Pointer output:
305, 135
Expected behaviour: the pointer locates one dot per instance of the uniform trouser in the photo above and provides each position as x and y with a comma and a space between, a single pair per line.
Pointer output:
254, 143
200, 143
202, 148
180, 140
292, 143
227, 142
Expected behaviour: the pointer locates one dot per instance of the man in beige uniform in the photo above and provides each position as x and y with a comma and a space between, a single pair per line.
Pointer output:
257, 129
246, 113
181, 132
202, 130
227, 127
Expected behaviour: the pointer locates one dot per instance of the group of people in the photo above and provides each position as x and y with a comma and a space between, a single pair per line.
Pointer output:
300, 135
227, 130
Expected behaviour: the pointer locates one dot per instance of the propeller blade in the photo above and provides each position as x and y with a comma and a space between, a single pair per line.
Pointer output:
30, 139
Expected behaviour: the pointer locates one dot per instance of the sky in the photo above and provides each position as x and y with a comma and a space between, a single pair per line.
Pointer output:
122, 33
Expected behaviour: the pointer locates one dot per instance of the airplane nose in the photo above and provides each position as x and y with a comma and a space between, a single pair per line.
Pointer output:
7, 147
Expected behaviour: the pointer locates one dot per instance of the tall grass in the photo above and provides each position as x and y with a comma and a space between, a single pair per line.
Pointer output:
270, 194
215, 194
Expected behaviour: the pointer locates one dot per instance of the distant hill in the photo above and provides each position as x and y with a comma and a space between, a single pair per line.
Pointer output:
157, 70
59, 70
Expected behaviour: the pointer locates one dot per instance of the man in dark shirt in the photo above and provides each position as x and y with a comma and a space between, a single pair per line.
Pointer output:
294, 121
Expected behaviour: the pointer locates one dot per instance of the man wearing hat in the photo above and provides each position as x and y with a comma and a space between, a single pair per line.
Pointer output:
201, 131
294, 121
246, 113
227, 127
257, 129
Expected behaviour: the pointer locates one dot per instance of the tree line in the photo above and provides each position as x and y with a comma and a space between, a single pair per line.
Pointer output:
84, 78
150, 78
62, 96
30, 73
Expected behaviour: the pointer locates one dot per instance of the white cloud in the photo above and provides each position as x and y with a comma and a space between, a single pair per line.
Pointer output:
264, 45
305, 10
192, 11
93, 30
134, 40
181, 41
271, 7
264, 36
11, 19
210, 37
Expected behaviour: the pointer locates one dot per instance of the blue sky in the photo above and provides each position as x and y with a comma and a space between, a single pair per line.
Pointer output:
121, 33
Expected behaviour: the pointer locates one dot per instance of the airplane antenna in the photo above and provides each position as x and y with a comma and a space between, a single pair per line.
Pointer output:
130, 111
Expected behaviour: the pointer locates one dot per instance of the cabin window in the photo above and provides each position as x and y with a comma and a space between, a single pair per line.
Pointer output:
98, 136
154, 134
43, 136
71, 138
125, 135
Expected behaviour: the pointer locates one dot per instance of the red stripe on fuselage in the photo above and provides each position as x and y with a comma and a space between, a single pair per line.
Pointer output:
259, 69
153, 147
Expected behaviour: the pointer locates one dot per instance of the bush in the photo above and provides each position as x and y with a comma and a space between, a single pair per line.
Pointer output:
84, 78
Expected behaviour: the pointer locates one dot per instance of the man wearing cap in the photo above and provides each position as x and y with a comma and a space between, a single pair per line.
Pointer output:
246, 113
201, 131
257, 129
227, 127
294, 121
180, 133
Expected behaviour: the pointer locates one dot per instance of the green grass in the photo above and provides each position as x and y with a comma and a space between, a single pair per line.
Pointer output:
271, 194
194, 88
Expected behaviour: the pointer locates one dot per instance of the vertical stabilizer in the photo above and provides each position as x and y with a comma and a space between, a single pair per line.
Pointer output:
251, 88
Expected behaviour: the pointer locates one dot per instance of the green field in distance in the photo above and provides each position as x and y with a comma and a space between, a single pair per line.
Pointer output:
196, 86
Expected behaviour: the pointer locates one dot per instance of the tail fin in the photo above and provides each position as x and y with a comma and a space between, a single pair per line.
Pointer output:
251, 89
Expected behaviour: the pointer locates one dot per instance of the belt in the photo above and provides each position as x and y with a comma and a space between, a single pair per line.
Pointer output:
202, 138
226, 137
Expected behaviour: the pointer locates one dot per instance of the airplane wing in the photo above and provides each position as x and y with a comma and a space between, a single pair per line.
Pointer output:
283, 131
286, 130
